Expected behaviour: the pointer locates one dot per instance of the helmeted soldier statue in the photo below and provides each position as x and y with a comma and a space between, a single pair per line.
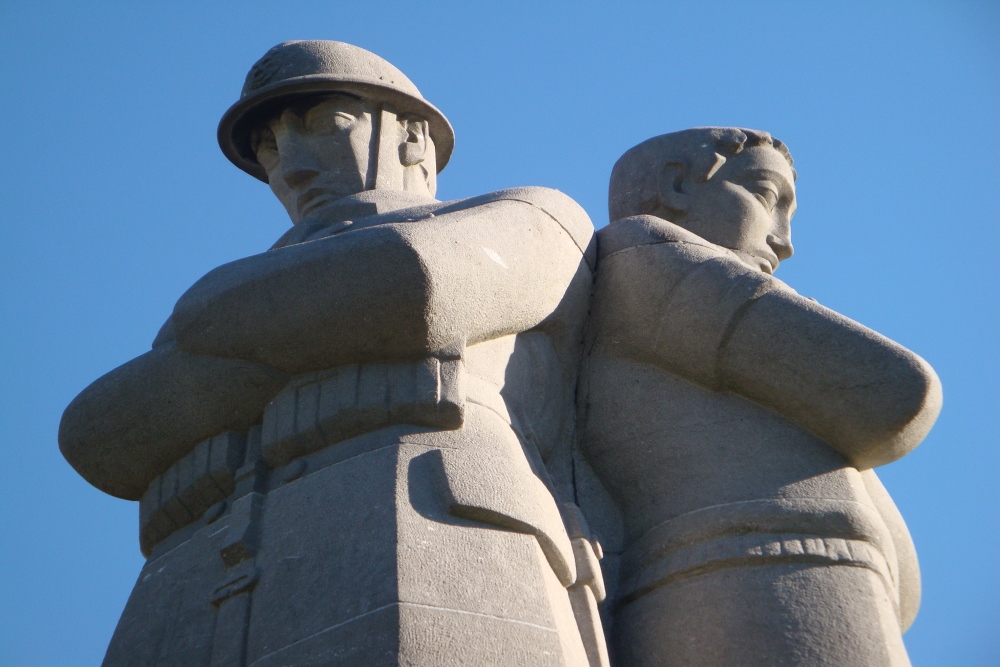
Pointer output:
353, 449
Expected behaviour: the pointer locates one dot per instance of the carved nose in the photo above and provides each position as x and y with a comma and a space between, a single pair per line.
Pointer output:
781, 245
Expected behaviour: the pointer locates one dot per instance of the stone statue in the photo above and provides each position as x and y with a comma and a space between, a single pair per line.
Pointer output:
396, 438
356, 448
736, 424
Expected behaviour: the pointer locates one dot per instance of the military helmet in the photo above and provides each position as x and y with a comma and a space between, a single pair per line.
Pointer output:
302, 68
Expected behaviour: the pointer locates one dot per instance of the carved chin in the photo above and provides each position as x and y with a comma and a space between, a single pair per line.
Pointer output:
755, 262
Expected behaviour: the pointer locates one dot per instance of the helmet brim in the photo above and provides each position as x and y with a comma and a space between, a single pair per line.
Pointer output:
239, 120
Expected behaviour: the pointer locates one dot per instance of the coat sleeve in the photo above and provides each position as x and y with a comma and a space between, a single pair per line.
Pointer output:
870, 398
133, 423
388, 292
393, 291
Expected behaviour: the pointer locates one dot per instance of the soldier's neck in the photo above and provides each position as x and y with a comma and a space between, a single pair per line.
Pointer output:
372, 202
340, 215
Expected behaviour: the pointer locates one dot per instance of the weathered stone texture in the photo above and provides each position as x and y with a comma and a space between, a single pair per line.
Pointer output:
417, 432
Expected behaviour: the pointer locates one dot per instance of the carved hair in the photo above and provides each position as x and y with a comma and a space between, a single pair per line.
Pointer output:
637, 179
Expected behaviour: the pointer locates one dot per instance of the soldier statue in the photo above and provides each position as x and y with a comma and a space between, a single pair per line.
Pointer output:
355, 447
736, 423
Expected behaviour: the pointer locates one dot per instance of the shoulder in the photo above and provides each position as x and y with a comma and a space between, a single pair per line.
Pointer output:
552, 203
639, 230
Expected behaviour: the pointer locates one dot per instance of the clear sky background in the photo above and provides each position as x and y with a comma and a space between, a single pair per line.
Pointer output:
114, 198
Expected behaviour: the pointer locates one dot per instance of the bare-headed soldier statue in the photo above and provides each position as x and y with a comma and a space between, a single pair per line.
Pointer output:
736, 424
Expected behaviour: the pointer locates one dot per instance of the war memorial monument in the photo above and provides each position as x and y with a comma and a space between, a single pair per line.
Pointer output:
478, 432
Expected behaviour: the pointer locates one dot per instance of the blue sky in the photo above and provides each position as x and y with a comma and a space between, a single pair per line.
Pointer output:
115, 198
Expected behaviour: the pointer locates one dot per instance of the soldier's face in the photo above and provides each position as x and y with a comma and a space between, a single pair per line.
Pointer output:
316, 153
747, 206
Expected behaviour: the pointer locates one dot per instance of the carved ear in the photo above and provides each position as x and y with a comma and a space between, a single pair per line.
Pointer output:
413, 150
672, 194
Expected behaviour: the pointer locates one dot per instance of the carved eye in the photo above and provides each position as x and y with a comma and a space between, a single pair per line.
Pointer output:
265, 147
765, 192
343, 120
326, 120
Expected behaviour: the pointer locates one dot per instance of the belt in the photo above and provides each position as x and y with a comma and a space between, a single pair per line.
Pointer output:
759, 532
313, 412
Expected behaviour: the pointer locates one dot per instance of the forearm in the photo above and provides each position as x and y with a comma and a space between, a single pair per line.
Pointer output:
133, 423
871, 399
720, 324
389, 292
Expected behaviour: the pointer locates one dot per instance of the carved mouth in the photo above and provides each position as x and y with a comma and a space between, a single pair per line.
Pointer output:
310, 199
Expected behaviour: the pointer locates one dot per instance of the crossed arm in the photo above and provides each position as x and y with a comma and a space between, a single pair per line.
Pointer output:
674, 300
394, 291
